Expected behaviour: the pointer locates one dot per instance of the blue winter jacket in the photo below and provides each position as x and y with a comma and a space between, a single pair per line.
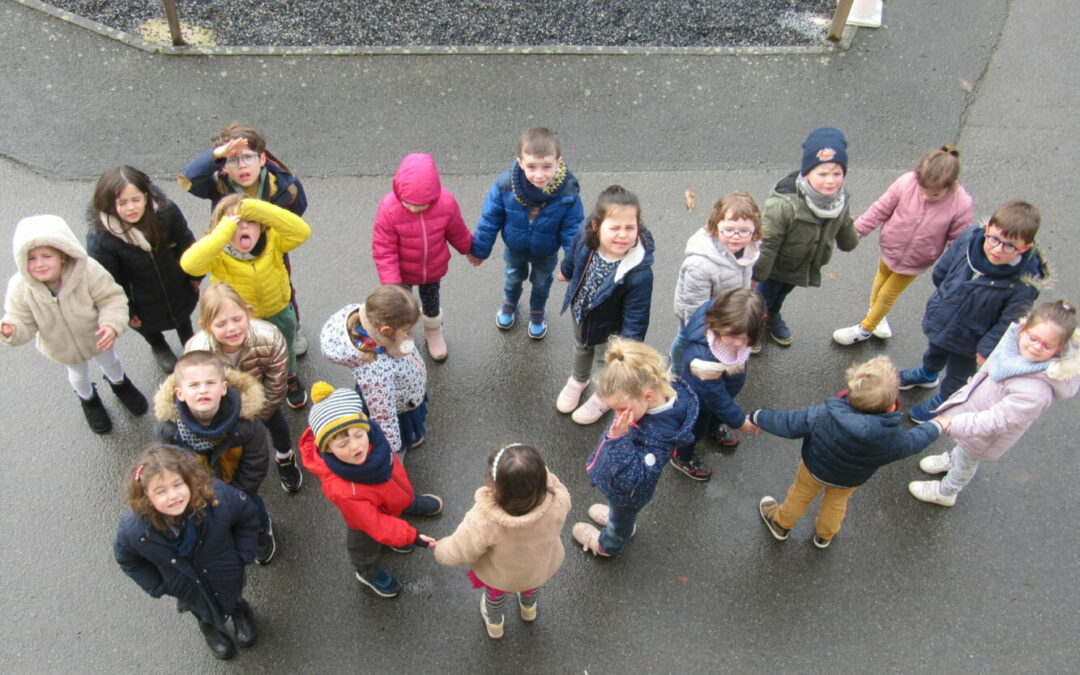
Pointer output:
626, 469
717, 396
970, 309
211, 582
204, 178
553, 228
842, 446
621, 305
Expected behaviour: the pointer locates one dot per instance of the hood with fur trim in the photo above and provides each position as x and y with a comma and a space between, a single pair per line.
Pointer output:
252, 396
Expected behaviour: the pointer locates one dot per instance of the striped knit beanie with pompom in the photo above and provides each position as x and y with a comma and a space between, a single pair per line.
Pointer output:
334, 411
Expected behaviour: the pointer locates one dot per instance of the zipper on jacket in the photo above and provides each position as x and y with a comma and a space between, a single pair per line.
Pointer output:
423, 233
164, 292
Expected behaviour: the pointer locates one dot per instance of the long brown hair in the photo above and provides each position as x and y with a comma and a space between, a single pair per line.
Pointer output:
109, 187
156, 460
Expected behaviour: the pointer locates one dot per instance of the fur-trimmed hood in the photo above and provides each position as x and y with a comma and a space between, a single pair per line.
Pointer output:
1066, 366
251, 393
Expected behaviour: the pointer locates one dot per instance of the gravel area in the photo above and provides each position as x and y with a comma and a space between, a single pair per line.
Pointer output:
644, 23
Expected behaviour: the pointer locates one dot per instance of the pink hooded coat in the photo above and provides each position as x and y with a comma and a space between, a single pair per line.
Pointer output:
411, 248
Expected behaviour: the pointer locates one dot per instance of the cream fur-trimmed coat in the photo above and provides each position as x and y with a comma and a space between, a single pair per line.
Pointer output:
510, 553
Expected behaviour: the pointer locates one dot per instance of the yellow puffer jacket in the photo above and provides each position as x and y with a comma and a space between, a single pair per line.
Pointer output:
262, 281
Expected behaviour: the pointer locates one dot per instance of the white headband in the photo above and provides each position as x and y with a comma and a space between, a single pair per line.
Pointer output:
498, 456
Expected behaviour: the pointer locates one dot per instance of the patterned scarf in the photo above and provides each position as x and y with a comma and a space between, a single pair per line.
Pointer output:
204, 438
724, 354
822, 206
1006, 359
528, 195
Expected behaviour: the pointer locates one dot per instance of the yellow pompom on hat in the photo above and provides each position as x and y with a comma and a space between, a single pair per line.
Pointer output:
334, 411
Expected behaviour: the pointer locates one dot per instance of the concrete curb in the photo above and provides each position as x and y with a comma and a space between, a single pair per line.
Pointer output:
424, 50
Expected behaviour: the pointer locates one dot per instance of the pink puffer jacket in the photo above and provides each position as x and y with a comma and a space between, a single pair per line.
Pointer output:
411, 248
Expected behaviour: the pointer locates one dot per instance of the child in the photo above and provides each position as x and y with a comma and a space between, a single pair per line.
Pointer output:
255, 347
985, 280
1036, 363
719, 257
240, 163
413, 225
245, 248
373, 340
367, 483
653, 416
137, 234
190, 536
510, 538
76, 310
805, 213
610, 272
718, 339
920, 214
845, 440
536, 206
213, 412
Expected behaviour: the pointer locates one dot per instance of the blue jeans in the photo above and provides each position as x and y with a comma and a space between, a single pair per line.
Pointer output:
619, 528
958, 368
517, 270
774, 293
678, 346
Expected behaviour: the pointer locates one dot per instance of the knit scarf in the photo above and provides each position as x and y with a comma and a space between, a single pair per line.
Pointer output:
822, 206
528, 195
1006, 359
376, 469
203, 438
184, 537
129, 234
981, 264
724, 354
255, 251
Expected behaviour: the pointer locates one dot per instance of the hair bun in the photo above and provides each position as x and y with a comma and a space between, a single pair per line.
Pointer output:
321, 390
951, 149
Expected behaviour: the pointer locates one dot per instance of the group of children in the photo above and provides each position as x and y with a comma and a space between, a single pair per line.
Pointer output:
194, 494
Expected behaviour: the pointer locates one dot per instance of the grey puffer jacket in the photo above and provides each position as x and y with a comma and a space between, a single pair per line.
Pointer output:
710, 270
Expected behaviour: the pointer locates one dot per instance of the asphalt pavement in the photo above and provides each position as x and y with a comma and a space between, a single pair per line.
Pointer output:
989, 585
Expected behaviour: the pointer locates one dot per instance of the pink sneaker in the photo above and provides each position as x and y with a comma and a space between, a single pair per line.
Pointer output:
590, 411
570, 395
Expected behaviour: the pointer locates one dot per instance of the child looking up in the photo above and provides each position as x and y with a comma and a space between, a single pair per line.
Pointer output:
365, 481
245, 248
610, 293
719, 257
415, 222
920, 214
845, 440
510, 538
137, 234
536, 206
986, 279
804, 215
74, 308
190, 536
213, 412
653, 416
1036, 363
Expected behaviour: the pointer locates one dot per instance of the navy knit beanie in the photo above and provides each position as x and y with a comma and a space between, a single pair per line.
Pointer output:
824, 144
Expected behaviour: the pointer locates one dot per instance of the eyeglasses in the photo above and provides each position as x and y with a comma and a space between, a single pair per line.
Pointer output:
737, 231
242, 160
1041, 344
1006, 247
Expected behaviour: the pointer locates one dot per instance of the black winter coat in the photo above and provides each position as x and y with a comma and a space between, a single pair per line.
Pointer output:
158, 291
211, 582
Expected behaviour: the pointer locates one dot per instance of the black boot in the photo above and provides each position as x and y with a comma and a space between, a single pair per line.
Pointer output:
244, 623
131, 397
220, 643
164, 356
96, 415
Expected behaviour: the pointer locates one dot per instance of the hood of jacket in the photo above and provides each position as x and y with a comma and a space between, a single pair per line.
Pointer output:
1066, 366
701, 244
46, 230
639, 256
252, 396
417, 180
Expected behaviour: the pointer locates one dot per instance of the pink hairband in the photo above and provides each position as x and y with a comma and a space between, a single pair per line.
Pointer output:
138, 473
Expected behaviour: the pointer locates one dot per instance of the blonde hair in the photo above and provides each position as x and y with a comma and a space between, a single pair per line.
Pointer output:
873, 386
214, 298
633, 367
735, 206
226, 206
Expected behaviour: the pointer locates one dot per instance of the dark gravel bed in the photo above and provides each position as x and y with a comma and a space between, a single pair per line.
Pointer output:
642, 23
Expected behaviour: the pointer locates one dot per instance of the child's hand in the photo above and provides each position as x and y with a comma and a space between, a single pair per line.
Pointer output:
473, 260
620, 426
979, 359
195, 283
135, 322
235, 146
944, 423
7, 329
430, 542
106, 338
703, 374
750, 428
560, 277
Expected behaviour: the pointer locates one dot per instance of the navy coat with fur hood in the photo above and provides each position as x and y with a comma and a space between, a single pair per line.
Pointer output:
211, 582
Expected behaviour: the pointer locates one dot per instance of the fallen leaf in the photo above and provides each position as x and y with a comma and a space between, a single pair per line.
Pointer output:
832, 275
691, 199
966, 85
682, 580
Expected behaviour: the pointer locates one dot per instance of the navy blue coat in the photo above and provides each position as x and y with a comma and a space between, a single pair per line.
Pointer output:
204, 178
211, 582
626, 469
842, 446
969, 315
717, 396
621, 305
553, 228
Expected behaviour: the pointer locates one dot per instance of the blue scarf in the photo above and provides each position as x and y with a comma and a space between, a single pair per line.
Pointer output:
376, 469
184, 538
528, 195
981, 264
1006, 360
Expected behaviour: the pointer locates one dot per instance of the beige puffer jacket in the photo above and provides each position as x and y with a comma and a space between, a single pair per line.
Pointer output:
264, 356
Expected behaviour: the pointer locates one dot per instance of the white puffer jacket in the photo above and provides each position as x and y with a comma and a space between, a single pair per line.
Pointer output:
710, 270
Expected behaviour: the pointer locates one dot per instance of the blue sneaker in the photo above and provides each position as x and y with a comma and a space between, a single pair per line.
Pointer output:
537, 324
922, 412
383, 583
917, 377
424, 505
505, 318
779, 331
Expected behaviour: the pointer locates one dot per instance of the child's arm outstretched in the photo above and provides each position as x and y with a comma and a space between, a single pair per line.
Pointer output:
384, 528
457, 232
881, 210
715, 396
468, 543
1020, 407
18, 325
492, 221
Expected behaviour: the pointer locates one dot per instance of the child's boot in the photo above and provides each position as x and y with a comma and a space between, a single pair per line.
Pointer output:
492, 611
244, 623
220, 643
131, 397
96, 415
527, 605
433, 333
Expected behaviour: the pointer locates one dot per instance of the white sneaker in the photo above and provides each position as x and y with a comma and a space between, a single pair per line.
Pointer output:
936, 463
883, 330
590, 411
850, 335
300, 342
930, 491
570, 395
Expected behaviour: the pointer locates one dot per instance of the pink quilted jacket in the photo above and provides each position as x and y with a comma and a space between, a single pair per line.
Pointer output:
411, 248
